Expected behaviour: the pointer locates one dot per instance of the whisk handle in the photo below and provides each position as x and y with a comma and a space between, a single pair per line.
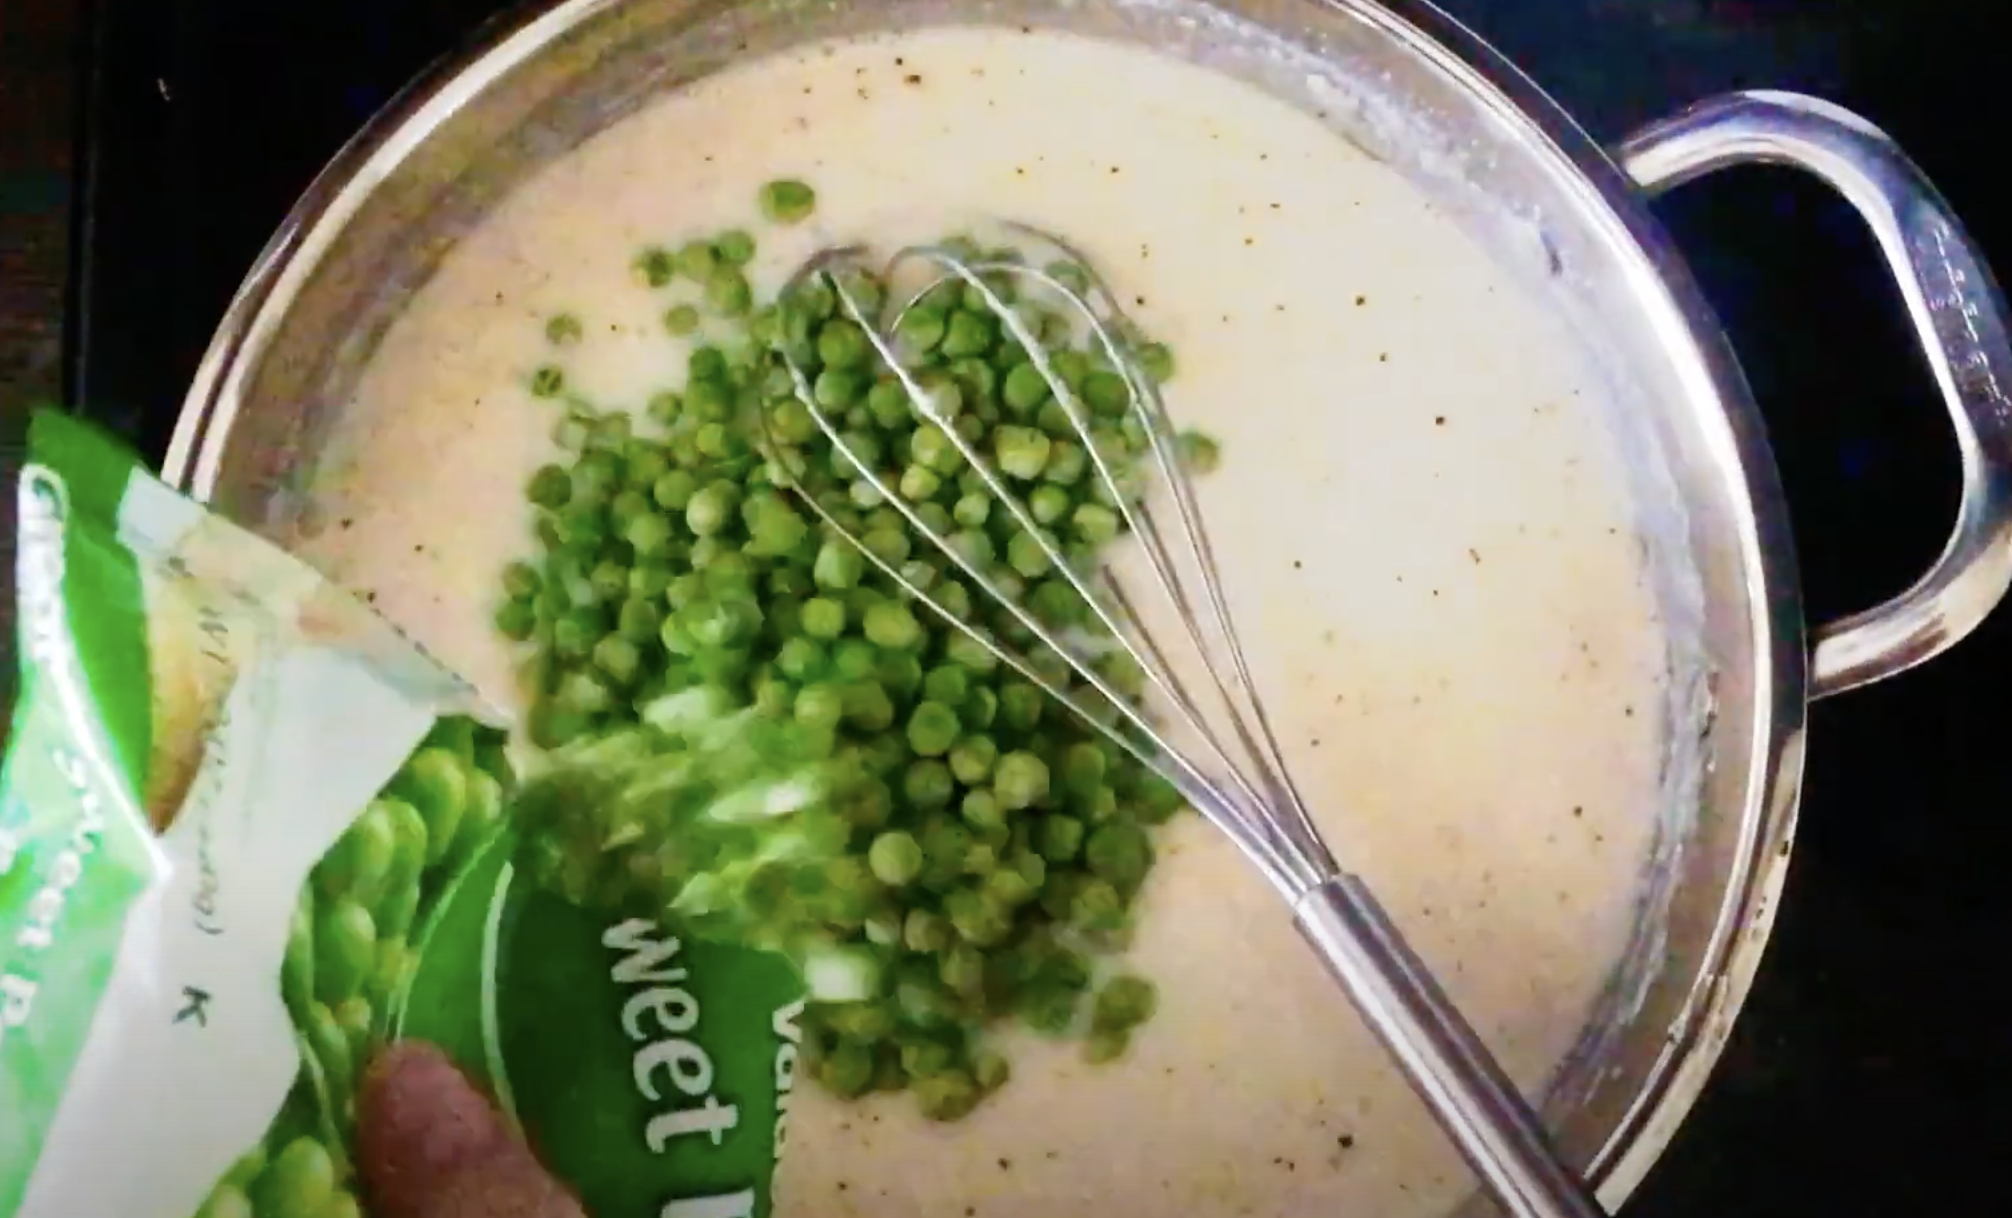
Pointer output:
1445, 1061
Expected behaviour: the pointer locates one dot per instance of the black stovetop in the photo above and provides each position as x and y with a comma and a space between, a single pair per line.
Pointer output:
1871, 1070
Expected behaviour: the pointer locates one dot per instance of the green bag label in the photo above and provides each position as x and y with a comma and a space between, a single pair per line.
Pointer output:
650, 1070
248, 835
73, 849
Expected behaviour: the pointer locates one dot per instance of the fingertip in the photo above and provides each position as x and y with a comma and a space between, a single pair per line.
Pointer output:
431, 1145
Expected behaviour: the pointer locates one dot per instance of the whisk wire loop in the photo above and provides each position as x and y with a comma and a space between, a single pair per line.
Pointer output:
1289, 852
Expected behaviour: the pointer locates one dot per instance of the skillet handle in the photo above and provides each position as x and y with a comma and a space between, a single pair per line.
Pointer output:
1958, 313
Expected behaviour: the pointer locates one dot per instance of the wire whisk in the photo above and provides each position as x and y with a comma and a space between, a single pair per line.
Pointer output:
1206, 730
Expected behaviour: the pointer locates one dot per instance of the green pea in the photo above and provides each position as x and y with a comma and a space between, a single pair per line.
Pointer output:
361, 858
516, 620
300, 1181
1021, 705
896, 859
482, 814
928, 785
297, 970
656, 265
1022, 452
1095, 523
980, 708
727, 292
1050, 1010
697, 260
736, 246
820, 706
892, 625
1009, 889
1025, 554
837, 388
921, 1057
1105, 1047
1020, 780
1107, 393
227, 1201
925, 931
823, 618
977, 920
1125, 1002
847, 1071
341, 1204
435, 783
329, 1043
962, 969
1024, 389
968, 333
1119, 852
948, 1096
1098, 906
409, 840
1061, 838
356, 1019
247, 1168
981, 809
842, 344
345, 950
390, 970
787, 200
932, 728
990, 1070
918, 333
868, 706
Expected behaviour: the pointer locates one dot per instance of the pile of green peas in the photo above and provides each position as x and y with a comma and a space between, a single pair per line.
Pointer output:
995, 843
349, 953
302, 1178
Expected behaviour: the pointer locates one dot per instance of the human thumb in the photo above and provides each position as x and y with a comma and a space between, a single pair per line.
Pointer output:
429, 1145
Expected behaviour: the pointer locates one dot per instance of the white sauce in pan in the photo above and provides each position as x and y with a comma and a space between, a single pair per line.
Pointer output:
1417, 513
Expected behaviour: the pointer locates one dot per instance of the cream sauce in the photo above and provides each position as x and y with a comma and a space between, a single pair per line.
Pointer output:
1417, 513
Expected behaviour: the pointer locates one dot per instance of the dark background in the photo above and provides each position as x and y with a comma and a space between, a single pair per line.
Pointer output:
148, 147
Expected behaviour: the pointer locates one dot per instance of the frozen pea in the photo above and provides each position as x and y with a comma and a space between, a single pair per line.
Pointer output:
481, 815
227, 1201
356, 1018
409, 840
247, 1168
990, 1070
299, 1182
435, 783
947, 1096
340, 1204
456, 733
329, 1043
492, 757
361, 858
394, 915
297, 972
1106, 1046
393, 964
345, 950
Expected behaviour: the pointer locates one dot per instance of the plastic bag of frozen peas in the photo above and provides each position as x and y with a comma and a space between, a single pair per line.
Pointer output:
249, 834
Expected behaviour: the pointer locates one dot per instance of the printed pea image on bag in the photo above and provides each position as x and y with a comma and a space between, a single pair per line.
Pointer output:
250, 835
